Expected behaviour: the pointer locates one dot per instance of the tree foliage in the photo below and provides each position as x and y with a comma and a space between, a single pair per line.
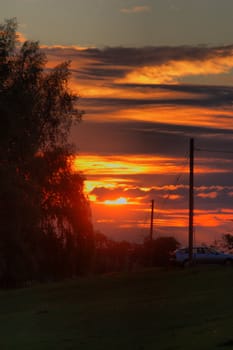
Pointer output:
156, 252
45, 227
226, 242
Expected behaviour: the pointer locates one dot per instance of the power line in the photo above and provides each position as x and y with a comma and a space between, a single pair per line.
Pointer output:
213, 150
161, 204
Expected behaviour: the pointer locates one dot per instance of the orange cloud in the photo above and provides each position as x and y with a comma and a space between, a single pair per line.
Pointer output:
181, 115
208, 195
135, 9
172, 71
172, 196
109, 165
93, 164
21, 37
66, 48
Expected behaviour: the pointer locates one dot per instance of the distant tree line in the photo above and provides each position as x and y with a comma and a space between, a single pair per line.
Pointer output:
113, 256
225, 243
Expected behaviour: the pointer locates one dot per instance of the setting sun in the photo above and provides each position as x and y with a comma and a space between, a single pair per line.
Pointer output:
117, 201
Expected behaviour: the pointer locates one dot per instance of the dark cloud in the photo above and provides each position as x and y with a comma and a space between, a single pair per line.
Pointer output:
215, 100
111, 63
190, 88
115, 62
99, 73
130, 137
206, 95
146, 56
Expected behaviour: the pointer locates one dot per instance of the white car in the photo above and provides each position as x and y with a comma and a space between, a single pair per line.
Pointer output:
201, 255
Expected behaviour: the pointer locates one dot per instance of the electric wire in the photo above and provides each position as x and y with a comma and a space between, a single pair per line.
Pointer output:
213, 150
178, 177
224, 189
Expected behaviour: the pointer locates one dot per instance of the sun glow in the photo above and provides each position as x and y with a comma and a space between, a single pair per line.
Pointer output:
117, 201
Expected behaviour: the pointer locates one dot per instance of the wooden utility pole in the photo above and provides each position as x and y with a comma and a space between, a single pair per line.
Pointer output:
152, 219
191, 198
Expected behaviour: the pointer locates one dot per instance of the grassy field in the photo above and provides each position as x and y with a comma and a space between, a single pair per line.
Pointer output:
153, 309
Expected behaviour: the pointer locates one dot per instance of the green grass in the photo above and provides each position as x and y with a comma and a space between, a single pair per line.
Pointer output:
153, 309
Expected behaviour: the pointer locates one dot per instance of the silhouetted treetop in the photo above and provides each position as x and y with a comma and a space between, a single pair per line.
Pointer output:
41, 198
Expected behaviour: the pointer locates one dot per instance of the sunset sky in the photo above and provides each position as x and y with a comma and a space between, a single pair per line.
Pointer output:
151, 74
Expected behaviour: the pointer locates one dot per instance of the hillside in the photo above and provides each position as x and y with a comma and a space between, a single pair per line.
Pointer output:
153, 309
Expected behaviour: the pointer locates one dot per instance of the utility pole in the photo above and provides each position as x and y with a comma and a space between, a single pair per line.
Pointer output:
191, 197
150, 251
152, 219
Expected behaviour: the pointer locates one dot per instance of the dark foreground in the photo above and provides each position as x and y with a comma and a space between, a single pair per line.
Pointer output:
156, 309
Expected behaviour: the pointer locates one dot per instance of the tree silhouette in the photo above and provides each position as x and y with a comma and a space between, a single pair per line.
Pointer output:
157, 251
46, 228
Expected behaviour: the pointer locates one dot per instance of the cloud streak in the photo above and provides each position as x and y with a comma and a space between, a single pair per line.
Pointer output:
135, 9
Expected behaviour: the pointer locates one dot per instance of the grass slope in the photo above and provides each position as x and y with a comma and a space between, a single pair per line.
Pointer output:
156, 309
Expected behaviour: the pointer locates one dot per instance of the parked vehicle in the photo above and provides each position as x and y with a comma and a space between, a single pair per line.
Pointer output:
201, 255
